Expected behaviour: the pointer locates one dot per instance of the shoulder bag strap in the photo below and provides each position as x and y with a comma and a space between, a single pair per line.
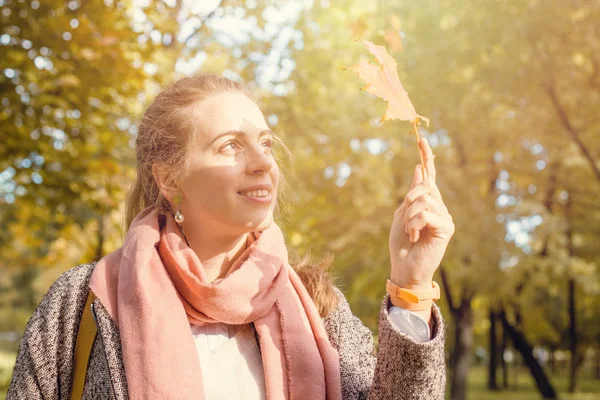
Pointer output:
86, 335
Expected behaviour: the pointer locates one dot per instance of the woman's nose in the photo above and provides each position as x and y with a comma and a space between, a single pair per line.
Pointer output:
260, 160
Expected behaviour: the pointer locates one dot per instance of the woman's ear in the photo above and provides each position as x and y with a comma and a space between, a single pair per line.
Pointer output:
168, 187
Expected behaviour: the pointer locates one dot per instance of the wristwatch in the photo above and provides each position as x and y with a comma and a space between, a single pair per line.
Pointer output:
413, 300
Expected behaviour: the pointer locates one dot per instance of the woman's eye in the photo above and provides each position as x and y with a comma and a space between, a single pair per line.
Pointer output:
267, 143
231, 146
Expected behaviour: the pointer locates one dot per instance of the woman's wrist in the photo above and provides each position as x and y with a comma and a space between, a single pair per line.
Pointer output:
411, 282
410, 278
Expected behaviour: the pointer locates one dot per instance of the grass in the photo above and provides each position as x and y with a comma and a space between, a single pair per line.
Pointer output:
523, 386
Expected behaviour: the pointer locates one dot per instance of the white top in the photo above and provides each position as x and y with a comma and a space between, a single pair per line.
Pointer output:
230, 361
231, 351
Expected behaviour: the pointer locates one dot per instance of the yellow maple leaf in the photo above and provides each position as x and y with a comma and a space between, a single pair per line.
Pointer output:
383, 81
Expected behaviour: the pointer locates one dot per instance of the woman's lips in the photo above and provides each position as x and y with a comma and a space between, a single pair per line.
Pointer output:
257, 197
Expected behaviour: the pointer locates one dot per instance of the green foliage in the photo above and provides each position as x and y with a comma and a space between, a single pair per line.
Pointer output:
7, 360
75, 78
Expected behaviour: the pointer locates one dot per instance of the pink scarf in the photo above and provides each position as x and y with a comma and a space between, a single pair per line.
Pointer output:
154, 287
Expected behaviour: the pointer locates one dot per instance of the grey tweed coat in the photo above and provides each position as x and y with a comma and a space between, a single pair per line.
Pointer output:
403, 369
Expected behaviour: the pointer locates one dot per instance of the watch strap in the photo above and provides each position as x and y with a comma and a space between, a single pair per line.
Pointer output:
412, 299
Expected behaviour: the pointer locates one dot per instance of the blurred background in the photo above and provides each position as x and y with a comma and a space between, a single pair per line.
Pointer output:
512, 88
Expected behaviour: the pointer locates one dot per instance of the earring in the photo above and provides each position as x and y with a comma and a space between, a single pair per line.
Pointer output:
178, 214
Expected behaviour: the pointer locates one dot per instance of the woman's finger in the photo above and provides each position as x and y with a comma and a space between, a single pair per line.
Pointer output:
436, 192
425, 202
437, 225
438, 205
415, 192
428, 159
418, 206
417, 177
430, 189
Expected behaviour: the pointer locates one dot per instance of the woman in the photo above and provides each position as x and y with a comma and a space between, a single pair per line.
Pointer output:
200, 302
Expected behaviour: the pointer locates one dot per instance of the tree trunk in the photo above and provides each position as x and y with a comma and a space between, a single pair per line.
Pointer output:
571, 301
461, 357
503, 362
552, 360
573, 338
598, 362
543, 383
493, 351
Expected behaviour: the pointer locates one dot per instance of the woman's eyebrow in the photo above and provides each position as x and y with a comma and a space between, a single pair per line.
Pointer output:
241, 133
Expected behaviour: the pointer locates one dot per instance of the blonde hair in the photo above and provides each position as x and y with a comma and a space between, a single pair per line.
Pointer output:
164, 137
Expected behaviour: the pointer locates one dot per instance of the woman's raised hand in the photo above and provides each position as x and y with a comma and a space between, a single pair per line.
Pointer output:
421, 229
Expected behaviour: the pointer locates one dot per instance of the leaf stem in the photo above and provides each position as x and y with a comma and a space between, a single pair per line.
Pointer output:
419, 147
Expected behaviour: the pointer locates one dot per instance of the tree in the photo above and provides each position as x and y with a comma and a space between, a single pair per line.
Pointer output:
75, 78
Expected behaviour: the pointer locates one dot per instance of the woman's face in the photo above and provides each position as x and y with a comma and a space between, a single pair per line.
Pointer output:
231, 183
